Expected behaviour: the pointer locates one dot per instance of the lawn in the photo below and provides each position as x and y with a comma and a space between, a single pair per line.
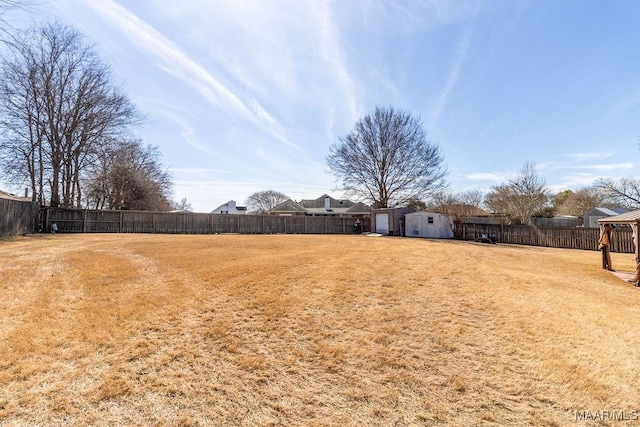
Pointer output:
312, 330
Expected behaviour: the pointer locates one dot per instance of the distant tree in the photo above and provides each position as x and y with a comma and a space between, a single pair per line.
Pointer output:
577, 203
387, 160
461, 205
58, 109
261, 202
520, 198
416, 204
129, 175
623, 192
182, 205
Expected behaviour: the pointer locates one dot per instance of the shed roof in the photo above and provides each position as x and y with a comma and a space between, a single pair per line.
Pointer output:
605, 211
625, 218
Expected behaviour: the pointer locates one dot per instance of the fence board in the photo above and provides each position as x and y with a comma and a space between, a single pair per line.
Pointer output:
89, 221
569, 238
17, 217
78, 221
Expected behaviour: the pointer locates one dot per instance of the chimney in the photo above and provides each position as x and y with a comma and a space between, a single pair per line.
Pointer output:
231, 206
327, 203
26, 192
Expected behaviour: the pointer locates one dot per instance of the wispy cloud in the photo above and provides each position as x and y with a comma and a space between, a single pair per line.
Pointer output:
443, 99
175, 62
487, 176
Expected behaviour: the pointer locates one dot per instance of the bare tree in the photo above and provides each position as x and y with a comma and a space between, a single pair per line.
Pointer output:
577, 203
461, 205
519, 198
5, 26
182, 205
623, 192
57, 109
129, 175
261, 202
387, 160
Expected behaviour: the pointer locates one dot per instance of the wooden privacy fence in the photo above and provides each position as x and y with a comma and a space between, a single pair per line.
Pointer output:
18, 217
91, 221
570, 238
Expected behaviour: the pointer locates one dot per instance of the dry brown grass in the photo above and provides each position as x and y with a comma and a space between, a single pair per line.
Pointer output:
310, 330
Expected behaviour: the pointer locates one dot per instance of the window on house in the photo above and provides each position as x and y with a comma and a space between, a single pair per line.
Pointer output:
430, 219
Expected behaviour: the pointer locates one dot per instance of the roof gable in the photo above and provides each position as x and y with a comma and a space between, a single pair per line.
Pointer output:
288, 206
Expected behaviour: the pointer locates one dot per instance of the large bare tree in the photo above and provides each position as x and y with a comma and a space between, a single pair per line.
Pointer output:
261, 202
521, 197
58, 108
387, 160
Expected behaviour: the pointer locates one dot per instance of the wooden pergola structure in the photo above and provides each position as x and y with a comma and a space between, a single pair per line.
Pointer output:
632, 219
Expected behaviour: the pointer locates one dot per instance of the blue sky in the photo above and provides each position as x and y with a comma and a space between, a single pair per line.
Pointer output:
248, 95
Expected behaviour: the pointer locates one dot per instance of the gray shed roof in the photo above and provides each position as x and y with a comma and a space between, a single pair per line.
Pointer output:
605, 211
625, 218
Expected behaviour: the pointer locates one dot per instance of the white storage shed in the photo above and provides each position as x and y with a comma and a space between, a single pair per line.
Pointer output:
429, 224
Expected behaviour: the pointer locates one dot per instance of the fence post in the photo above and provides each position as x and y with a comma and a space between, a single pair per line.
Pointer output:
120, 223
305, 224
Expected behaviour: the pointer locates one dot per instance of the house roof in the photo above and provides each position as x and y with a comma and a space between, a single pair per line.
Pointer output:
10, 196
625, 218
604, 211
317, 206
359, 208
226, 206
319, 203
288, 206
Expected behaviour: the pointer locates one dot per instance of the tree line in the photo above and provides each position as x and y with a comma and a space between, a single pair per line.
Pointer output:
67, 131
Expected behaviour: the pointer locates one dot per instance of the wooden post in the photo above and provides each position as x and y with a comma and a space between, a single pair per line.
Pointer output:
84, 221
263, 231
120, 223
238, 223
637, 239
305, 224
154, 223
325, 224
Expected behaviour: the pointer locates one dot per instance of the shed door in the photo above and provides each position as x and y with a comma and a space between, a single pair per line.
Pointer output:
382, 223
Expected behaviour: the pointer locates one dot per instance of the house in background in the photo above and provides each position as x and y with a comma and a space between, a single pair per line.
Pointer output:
11, 196
591, 217
324, 205
230, 208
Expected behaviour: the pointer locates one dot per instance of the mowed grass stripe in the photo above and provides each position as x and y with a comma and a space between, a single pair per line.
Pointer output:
310, 330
